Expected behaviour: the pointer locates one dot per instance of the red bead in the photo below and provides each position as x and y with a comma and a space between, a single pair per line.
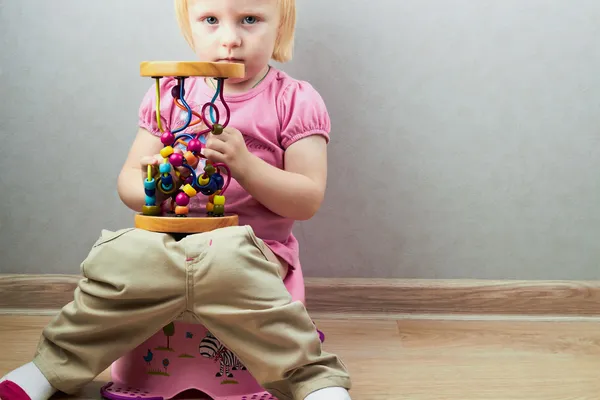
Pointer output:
176, 91
167, 138
182, 199
176, 159
195, 146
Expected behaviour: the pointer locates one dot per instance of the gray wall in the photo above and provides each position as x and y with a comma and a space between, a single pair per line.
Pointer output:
466, 139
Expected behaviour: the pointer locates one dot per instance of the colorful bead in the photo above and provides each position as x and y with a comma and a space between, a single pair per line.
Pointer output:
150, 200
219, 200
176, 92
219, 181
219, 210
180, 210
210, 208
203, 180
195, 146
209, 169
164, 168
176, 159
167, 151
182, 199
191, 159
217, 129
166, 185
209, 189
149, 184
189, 190
151, 210
166, 180
167, 138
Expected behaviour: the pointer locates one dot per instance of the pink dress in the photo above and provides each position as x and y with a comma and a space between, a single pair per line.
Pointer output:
276, 113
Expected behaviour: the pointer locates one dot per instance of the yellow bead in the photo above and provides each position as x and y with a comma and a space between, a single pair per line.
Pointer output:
167, 151
219, 200
189, 190
202, 181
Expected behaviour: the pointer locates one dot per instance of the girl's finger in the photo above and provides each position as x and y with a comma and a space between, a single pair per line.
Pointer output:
223, 137
216, 145
213, 156
145, 161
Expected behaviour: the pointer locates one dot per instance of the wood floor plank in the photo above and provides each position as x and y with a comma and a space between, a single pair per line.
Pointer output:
423, 359
500, 360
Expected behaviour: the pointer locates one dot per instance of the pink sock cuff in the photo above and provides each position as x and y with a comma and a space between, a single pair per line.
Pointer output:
11, 391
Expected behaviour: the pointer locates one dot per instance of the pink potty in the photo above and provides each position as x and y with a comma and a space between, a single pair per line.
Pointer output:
184, 357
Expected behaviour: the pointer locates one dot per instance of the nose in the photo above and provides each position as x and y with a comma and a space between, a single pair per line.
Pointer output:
230, 37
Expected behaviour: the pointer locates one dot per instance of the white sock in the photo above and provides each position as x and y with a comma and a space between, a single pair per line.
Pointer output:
32, 381
330, 393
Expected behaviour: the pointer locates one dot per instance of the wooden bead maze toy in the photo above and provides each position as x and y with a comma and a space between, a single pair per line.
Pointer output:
168, 178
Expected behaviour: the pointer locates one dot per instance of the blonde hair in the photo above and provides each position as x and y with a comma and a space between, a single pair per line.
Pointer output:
284, 45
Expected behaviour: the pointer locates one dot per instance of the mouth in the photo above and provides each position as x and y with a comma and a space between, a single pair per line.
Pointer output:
231, 60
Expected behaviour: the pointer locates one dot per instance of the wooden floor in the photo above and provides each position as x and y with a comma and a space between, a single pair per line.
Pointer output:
424, 359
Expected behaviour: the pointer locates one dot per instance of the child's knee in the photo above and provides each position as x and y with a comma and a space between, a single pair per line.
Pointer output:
130, 261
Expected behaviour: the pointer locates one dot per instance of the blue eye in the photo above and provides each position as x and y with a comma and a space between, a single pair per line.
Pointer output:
211, 20
250, 20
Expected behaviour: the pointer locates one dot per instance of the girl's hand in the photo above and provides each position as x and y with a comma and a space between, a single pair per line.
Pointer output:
230, 148
155, 161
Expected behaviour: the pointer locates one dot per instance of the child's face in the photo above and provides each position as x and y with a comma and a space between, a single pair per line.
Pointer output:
241, 31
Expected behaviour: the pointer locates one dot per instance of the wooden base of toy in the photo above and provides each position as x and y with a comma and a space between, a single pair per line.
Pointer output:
159, 69
190, 224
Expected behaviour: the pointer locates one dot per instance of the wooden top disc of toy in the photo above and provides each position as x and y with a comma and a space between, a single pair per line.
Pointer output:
189, 224
191, 68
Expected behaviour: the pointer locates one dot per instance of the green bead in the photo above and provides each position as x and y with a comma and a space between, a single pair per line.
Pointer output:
209, 169
217, 129
219, 210
151, 210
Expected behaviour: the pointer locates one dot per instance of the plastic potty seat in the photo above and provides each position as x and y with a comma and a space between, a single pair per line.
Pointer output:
186, 356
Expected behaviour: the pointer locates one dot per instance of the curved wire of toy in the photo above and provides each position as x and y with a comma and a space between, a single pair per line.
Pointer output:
226, 185
212, 114
192, 171
228, 113
196, 122
213, 107
189, 110
202, 118
158, 121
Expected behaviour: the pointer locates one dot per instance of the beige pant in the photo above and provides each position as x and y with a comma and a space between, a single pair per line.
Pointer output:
136, 282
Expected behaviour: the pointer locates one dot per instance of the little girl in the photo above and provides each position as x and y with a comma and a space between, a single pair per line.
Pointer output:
231, 279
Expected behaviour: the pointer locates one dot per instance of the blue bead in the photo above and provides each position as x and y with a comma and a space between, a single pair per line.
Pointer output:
219, 181
150, 192
150, 200
164, 168
149, 184
210, 189
167, 180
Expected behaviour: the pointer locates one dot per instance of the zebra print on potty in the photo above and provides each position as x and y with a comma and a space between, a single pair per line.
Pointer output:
183, 357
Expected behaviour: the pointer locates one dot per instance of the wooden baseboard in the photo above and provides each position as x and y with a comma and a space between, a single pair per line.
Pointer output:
376, 297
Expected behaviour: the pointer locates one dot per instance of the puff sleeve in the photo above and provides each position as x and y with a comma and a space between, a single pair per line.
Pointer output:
302, 113
148, 112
